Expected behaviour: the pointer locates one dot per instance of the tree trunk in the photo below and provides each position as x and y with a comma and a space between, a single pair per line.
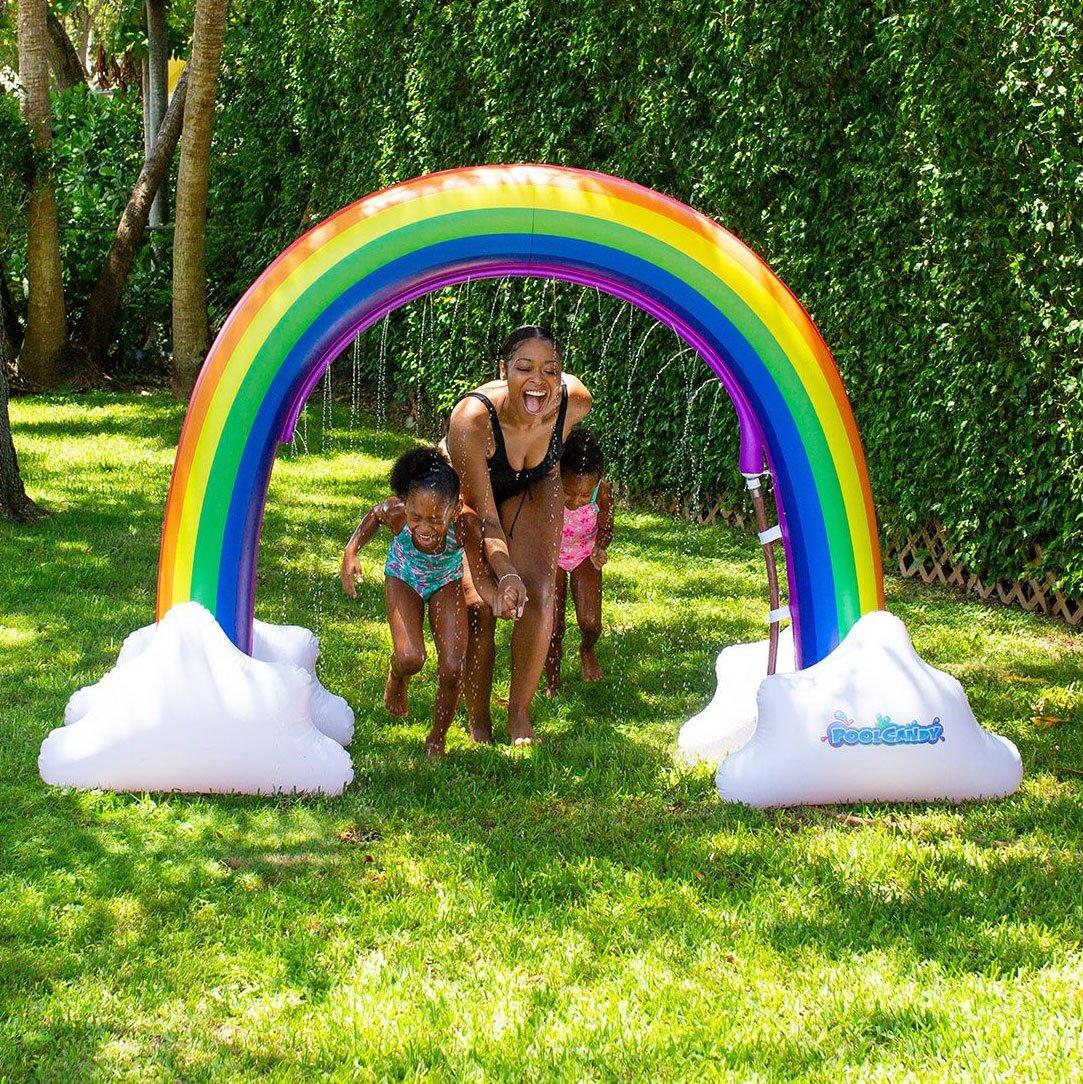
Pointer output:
67, 68
43, 360
156, 89
14, 503
94, 332
190, 235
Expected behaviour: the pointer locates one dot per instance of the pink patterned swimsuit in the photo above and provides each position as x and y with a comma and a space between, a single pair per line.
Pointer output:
580, 533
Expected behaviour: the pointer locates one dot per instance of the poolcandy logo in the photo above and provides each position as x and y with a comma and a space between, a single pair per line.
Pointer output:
842, 730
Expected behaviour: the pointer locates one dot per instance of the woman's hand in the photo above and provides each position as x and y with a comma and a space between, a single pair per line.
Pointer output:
511, 596
598, 557
352, 573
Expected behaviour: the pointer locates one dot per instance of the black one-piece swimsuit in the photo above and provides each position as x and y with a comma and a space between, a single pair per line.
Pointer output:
505, 480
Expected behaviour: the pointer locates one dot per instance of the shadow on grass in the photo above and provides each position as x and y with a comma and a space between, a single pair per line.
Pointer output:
556, 838
151, 419
552, 863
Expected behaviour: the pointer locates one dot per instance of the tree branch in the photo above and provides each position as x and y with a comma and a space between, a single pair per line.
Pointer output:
95, 329
67, 68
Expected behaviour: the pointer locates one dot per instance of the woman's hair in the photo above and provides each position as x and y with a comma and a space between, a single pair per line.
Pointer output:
582, 454
522, 334
424, 468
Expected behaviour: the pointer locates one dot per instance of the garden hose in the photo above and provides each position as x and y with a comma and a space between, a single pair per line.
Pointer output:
768, 536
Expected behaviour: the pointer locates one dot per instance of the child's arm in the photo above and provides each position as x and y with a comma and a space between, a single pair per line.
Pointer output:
605, 525
389, 512
469, 530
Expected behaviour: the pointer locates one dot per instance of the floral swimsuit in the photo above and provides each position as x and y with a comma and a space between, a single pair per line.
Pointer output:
426, 573
580, 533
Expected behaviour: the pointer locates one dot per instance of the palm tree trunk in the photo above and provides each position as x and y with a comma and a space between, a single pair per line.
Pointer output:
43, 360
94, 332
189, 239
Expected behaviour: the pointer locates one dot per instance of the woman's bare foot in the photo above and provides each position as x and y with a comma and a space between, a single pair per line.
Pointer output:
588, 666
395, 699
520, 728
481, 732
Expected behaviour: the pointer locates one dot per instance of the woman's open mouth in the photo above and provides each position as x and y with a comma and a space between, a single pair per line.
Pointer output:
534, 401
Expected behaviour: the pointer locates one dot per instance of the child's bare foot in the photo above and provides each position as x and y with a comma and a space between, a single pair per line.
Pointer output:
588, 666
481, 732
520, 728
395, 699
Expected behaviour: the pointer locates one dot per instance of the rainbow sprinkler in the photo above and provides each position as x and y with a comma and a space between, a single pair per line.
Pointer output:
209, 700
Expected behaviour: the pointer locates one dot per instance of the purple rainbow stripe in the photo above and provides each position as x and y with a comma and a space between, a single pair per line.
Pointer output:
525, 221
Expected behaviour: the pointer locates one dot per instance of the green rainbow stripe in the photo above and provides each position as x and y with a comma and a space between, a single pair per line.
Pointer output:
543, 221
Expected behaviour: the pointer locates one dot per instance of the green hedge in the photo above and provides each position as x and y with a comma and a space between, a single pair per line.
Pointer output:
16, 169
912, 170
914, 177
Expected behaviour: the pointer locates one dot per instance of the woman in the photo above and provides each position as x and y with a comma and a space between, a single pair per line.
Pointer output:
505, 441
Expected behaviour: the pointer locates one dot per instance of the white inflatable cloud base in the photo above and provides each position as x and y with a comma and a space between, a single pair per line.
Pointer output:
185, 710
729, 720
288, 645
872, 722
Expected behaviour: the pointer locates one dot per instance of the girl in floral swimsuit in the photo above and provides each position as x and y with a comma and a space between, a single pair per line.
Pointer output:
588, 530
424, 568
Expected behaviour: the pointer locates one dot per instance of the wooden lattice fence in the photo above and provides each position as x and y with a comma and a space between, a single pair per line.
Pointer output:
926, 555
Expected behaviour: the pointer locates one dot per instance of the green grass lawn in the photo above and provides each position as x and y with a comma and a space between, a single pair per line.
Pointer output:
589, 910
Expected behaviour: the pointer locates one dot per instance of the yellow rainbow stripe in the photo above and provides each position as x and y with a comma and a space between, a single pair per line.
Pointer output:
528, 220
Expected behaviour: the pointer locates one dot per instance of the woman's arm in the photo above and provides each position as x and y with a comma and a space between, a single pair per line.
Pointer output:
579, 402
467, 439
389, 512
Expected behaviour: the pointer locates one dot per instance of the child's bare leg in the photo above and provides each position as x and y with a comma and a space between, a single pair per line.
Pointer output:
556, 641
406, 616
447, 619
587, 595
478, 671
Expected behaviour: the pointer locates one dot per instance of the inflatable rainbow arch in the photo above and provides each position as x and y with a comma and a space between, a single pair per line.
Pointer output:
541, 221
